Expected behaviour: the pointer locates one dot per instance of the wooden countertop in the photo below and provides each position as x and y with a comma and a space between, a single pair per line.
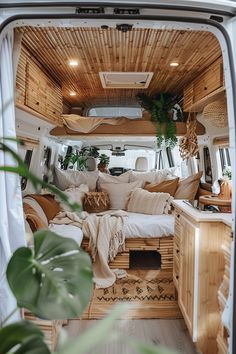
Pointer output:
203, 216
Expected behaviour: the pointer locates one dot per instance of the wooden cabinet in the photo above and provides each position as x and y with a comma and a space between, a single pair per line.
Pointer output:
186, 273
36, 91
206, 88
199, 266
223, 292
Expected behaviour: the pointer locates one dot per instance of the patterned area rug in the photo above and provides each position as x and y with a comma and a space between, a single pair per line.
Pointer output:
151, 293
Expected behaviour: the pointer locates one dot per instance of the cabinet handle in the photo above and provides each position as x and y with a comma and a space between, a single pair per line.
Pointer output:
178, 216
37, 103
177, 251
177, 277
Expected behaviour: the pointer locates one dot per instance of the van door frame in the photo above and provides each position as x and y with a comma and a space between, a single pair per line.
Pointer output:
204, 21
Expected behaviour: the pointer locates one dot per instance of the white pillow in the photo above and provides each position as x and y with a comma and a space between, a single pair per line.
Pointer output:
106, 178
76, 195
70, 231
119, 193
144, 202
142, 176
68, 178
152, 176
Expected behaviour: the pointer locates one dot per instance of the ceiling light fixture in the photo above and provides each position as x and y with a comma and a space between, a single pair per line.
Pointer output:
72, 93
73, 63
174, 63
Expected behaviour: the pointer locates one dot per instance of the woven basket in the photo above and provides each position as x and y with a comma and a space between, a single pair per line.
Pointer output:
216, 113
96, 202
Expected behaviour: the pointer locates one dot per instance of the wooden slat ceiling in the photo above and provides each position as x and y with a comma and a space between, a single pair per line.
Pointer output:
111, 50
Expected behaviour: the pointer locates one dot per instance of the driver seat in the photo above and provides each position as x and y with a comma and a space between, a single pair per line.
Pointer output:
141, 164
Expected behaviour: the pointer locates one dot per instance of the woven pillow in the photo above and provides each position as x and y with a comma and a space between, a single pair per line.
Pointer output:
188, 187
169, 186
144, 202
96, 202
119, 193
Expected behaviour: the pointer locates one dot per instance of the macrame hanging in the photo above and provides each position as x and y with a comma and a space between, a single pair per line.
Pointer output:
188, 145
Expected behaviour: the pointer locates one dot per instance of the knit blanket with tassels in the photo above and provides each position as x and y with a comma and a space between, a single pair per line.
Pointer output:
106, 239
105, 232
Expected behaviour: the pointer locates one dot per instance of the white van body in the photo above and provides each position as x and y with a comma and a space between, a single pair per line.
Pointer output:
217, 17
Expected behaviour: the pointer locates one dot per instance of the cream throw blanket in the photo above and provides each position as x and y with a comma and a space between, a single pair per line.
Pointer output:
105, 232
89, 124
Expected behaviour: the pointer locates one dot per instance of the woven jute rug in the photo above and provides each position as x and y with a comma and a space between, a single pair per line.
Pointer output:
151, 294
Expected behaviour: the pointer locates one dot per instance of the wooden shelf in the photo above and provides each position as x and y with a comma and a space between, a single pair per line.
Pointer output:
213, 96
133, 127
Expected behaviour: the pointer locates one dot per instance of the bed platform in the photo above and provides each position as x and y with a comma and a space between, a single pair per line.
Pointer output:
145, 233
163, 245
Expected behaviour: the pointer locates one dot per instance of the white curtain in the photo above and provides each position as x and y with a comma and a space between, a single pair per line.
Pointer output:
11, 213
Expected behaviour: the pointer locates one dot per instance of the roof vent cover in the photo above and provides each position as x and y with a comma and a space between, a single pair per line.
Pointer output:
125, 80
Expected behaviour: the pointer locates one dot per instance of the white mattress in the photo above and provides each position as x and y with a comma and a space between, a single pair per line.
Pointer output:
143, 225
70, 231
138, 225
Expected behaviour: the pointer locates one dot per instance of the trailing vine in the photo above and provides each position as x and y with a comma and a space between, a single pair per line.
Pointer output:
164, 109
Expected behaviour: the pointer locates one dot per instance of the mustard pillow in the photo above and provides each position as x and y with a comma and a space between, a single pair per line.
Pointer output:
168, 186
188, 187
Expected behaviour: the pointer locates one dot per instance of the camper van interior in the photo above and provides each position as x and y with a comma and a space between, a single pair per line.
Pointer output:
130, 119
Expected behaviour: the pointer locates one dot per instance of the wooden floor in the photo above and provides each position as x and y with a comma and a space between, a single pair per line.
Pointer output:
171, 334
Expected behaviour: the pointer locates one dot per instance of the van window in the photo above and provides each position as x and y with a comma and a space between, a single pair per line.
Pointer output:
27, 160
224, 158
207, 165
110, 112
169, 157
128, 161
47, 160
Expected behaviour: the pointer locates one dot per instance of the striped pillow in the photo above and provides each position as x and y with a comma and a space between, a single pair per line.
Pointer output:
144, 202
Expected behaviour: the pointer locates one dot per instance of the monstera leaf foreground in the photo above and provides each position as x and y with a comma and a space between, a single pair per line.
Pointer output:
22, 338
55, 280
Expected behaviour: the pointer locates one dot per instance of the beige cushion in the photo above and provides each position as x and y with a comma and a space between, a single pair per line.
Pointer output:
144, 202
35, 205
49, 205
69, 178
33, 219
168, 186
119, 193
188, 187
76, 195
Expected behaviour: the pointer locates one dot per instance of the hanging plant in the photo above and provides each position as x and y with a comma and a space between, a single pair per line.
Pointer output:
165, 111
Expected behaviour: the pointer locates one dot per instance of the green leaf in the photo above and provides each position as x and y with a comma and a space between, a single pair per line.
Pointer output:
149, 349
22, 338
95, 335
56, 281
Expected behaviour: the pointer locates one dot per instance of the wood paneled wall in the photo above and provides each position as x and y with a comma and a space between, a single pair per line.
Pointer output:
206, 88
36, 91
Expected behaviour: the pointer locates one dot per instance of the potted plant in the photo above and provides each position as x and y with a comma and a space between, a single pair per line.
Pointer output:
103, 163
80, 157
165, 111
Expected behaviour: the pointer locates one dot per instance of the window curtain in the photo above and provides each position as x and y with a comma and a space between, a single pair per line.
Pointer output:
11, 212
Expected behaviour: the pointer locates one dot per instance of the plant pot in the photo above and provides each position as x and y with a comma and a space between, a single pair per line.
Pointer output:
103, 168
